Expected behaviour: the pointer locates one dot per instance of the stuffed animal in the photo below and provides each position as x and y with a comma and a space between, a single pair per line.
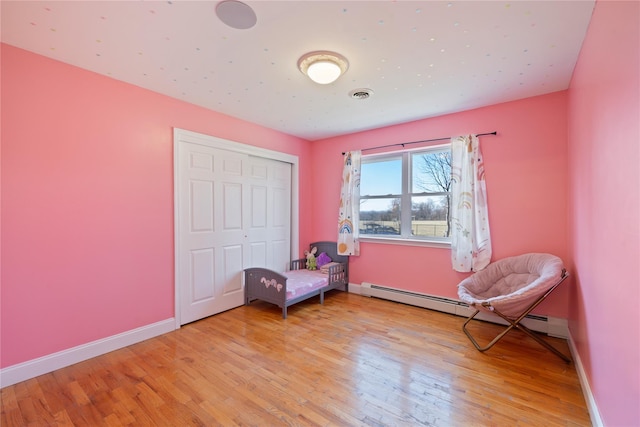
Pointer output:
311, 259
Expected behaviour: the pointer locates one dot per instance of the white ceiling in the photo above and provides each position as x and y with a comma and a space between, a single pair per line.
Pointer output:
421, 58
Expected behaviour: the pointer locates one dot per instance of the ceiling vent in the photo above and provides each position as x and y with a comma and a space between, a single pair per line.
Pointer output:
361, 93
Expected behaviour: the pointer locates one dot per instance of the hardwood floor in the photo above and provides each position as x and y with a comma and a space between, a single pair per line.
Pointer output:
354, 361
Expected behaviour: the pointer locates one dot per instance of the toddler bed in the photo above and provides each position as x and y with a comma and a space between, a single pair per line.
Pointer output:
298, 284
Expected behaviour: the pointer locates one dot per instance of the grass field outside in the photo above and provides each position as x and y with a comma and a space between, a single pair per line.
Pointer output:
418, 228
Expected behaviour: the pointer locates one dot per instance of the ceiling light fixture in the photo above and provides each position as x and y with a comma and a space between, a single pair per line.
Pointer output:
323, 67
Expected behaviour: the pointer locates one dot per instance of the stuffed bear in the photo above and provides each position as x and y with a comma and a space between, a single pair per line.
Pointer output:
311, 259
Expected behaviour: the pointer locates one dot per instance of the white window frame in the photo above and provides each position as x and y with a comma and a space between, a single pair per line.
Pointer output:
405, 237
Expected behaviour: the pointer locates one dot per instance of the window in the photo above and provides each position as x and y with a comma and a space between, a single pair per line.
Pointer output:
405, 195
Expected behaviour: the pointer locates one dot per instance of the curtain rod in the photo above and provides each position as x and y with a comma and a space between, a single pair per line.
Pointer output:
418, 142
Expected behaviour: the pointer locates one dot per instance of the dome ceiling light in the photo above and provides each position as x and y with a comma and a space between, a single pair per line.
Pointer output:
323, 67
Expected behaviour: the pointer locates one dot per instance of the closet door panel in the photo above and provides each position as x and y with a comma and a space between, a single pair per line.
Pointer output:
233, 211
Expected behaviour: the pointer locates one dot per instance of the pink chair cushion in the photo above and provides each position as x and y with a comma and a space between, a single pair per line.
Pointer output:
512, 284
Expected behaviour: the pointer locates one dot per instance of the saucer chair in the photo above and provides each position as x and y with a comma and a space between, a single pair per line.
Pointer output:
511, 288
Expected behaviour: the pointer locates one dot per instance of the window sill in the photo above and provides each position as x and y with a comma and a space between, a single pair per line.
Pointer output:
406, 242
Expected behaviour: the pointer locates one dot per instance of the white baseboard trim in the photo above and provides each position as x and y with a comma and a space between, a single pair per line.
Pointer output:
552, 326
42, 365
596, 420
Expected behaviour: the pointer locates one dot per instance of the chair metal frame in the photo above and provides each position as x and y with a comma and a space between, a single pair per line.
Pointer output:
515, 324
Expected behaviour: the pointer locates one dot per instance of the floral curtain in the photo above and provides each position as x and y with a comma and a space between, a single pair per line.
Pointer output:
349, 212
470, 239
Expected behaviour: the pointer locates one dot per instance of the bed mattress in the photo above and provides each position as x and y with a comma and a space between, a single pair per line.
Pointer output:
301, 282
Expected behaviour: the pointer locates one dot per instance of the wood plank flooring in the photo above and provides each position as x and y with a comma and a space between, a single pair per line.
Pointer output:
354, 361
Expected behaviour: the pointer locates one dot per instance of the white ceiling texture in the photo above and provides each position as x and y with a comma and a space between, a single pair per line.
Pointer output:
420, 58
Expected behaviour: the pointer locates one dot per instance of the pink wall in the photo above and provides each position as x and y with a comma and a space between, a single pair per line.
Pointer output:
526, 184
87, 211
604, 140
87, 202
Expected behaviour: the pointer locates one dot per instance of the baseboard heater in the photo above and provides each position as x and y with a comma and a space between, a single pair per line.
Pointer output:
549, 325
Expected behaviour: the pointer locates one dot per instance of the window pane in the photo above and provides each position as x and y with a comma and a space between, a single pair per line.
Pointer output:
406, 195
431, 172
381, 177
380, 216
429, 216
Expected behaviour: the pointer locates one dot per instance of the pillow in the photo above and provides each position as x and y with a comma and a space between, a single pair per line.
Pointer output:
323, 259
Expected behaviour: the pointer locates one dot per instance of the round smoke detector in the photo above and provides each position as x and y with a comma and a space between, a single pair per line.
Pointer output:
363, 93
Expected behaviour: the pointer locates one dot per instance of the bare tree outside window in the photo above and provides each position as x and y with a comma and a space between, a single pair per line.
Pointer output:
432, 175
437, 169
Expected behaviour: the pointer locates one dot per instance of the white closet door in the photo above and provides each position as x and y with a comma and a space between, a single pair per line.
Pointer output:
234, 212
269, 227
